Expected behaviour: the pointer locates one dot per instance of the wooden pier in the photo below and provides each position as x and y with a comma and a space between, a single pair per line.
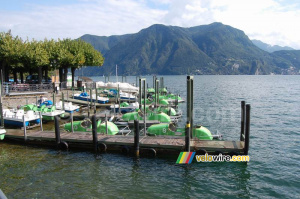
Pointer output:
84, 140
139, 143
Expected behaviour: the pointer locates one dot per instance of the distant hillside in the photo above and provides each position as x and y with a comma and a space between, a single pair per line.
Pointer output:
206, 49
269, 48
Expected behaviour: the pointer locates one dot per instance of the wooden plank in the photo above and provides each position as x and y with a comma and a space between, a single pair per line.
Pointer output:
76, 101
163, 142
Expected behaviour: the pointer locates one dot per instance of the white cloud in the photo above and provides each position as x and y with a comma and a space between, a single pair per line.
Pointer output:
271, 21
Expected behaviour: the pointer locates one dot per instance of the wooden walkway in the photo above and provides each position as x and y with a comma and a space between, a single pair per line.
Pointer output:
160, 142
81, 102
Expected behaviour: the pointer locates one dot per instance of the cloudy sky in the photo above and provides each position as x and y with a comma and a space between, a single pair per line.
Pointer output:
276, 22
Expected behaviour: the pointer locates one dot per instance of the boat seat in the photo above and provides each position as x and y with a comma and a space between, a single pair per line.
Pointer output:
7, 113
19, 113
30, 114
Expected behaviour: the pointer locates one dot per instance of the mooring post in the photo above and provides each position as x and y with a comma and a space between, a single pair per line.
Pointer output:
119, 99
243, 113
57, 131
154, 80
63, 100
26, 100
156, 93
136, 138
72, 127
190, 102
145, 96
106, 128
96, 90
41, 120
140, 94
36, 100
187, 136
94, 129
53, 96
1, 114
247, 132
73, 93
115, 109
67, 95
24, 125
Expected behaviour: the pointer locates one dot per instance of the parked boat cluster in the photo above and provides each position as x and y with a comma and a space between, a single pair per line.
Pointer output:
155, 108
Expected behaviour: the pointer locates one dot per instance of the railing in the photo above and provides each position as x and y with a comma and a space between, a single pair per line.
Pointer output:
10, 88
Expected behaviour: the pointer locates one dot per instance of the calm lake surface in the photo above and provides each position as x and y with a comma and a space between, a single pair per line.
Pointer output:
273, 170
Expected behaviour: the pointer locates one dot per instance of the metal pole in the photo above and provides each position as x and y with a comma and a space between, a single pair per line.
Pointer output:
96, 90
1, 114
243, 106
63, 100
247, 133
136, 138
95, 137
157, 93
41, 120
140, 94
24, 125
53, 98
119, 100
106, 129
72, 127
145, 95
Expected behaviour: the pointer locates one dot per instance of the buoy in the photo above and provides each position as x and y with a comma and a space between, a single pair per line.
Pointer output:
63, 145
102, 147
231, 153
125, 150
152, 152
201, 152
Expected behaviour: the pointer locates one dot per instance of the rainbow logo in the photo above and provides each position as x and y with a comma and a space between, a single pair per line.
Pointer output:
185, 157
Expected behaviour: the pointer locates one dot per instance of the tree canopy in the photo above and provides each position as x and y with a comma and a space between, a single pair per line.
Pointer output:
34, 56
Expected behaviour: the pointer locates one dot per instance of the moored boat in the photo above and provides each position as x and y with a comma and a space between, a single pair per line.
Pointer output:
2, 133
170, 129
86, 126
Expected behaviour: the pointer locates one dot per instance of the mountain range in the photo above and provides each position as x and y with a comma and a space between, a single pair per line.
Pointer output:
214, 49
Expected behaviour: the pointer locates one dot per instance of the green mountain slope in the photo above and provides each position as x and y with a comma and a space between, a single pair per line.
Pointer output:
269, 48
167, 50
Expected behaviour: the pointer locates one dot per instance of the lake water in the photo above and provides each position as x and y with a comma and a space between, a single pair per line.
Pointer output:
273, 170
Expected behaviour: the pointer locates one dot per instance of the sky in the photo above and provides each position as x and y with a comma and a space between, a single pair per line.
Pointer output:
276, 22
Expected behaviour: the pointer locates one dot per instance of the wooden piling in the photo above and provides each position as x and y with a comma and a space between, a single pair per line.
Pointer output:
140, 94
57, 131
187, 136
145, 97
1, 115
247, 132
190, 101
136, 138
94, 130
63, 100
53, 97
106, 127
41, 120
243, 113
71, 116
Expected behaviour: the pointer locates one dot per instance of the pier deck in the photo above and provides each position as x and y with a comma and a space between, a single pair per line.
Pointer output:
85, 140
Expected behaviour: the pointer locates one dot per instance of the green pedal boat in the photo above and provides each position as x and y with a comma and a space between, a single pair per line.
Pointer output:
86, 126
